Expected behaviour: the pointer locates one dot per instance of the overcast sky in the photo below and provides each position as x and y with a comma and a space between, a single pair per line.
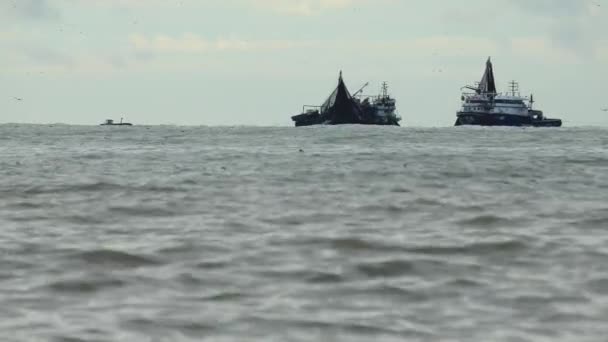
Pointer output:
256, 62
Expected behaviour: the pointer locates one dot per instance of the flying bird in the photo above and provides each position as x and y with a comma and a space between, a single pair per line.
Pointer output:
18, 99
604, 109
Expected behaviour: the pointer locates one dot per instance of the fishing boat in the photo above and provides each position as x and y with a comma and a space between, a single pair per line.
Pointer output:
343, 108
110, 122
486, 107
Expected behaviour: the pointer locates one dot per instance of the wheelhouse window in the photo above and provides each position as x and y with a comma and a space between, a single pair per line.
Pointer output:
516, 102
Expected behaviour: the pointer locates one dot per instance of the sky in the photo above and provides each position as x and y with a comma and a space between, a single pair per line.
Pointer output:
257, 62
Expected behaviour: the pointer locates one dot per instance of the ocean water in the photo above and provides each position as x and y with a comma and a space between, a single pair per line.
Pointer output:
315, 234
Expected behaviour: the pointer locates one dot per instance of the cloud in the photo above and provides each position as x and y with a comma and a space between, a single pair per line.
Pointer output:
6, 35
292, 7
552, 8
188, 43
192, 43
543, 49
29, 9
571, 27
46, 56
601, 51
454, 45
305, 7
38, 59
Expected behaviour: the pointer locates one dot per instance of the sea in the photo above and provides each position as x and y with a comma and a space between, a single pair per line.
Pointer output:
349, 233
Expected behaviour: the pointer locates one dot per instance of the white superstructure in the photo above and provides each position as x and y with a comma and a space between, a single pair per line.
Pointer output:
485, 106
496, 103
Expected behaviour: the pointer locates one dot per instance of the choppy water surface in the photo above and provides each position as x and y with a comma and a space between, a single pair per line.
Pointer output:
313, 234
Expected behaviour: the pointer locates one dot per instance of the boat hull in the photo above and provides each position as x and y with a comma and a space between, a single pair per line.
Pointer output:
484, 119
313, 119
308, 119
302, 124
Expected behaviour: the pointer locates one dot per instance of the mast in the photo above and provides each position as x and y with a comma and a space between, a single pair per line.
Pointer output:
514, 86
531, 101
340, 107
360, 90
487, 85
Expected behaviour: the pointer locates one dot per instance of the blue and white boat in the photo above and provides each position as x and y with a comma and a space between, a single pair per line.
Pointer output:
486, 107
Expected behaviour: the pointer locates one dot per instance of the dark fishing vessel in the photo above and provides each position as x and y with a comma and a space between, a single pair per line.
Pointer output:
343, 108
486, 107
110, 122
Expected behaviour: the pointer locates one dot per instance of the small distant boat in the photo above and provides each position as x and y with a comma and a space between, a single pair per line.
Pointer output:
486, 107
110, 122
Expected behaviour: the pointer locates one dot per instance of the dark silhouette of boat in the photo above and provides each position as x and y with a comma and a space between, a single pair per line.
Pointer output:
343, 108
486, 107
110, 122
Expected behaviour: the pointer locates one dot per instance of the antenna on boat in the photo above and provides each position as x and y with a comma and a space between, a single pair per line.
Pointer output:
531, 101
384, 89
514, 87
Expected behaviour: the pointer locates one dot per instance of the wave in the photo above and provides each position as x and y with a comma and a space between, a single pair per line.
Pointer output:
224, 296
183, 248
95, 187
598, 286
539, 300
387, 291
464, 283
593, 220
114, 259
69, 188
385, 269
143, 211
324, 278
210, 265
28, 205
570, 318
358, 329
84, 285
76, 219
68, 339
296, 220
353, 244
488, 221
478, 248
150, 325
590, 161
305, 275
